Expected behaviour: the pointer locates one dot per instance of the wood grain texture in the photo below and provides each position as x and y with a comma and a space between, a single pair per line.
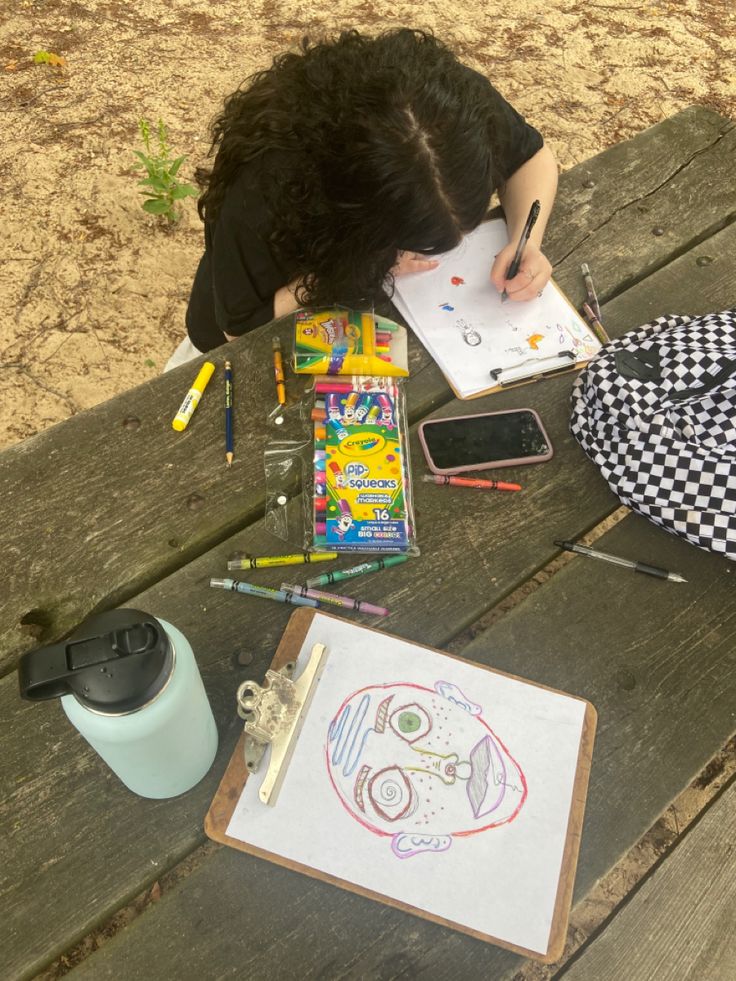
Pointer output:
658, 662
112, 500
679, 926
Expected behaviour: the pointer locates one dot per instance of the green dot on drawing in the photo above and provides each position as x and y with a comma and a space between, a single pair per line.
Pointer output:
409, 722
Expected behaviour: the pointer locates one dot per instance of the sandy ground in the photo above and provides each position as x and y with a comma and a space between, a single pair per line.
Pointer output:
93, 290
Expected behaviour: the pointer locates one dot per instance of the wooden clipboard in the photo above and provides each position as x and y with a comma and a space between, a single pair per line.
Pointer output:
236, 775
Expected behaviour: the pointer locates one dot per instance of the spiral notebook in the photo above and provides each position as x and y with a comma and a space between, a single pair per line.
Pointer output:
480, 343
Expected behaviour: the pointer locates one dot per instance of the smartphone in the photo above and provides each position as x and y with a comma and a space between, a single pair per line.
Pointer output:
492, 439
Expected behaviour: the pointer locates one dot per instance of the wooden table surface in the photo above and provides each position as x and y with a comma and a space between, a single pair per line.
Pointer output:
113, 508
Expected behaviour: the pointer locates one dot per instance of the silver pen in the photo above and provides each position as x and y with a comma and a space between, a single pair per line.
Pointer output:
649, 570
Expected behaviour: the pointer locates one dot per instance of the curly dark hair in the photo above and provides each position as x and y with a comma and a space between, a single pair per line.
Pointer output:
376, 145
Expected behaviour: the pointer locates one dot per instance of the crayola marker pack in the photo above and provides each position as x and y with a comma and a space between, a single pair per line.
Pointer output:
362, 499
339, 341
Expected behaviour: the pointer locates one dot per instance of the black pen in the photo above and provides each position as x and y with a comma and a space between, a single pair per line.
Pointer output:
516, 261
649, 570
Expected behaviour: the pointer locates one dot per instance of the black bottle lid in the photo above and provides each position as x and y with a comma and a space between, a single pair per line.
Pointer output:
115, 662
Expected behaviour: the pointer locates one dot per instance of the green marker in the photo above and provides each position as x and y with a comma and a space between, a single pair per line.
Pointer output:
357, 570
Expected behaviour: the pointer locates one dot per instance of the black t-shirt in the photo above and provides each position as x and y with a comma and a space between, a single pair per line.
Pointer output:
238, 274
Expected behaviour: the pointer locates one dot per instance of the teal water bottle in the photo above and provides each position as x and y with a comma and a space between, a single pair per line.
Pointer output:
130, 684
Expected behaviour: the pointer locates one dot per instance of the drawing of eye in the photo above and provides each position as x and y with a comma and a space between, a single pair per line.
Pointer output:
391, 793
410, 722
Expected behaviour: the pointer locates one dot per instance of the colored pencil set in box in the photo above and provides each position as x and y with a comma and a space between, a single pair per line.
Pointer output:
340, 341
362, 498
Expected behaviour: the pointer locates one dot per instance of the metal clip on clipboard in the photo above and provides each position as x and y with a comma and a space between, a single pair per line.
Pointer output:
569, 359
274, 716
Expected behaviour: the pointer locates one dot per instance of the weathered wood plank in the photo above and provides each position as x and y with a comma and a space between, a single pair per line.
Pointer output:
680, 923
657, 659
440, 597
133, 493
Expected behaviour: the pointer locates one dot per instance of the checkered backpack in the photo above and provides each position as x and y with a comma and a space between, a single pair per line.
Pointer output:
656, 411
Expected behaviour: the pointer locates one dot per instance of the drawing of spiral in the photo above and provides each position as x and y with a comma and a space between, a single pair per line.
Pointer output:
392, 794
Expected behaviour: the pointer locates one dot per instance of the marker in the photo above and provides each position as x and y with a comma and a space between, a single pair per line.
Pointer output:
339, 353
341, 431
228, 413
431, 478
362, 408
526, 232
263, 592
649, 570
597, 327
347, 602
357, 570
337, 473
342, 388
590, 289
268, 561
278, 370
191, 401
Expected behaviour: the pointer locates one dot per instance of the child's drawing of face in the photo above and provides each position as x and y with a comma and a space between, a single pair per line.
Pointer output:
421, 766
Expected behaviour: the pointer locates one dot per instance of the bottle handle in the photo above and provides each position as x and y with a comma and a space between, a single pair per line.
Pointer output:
45, 672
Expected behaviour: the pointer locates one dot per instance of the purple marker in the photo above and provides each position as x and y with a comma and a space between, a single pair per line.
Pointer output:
338, 356
344, 601
332, 403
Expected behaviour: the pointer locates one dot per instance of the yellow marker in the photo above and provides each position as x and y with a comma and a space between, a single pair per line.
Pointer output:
278, 370
193, 396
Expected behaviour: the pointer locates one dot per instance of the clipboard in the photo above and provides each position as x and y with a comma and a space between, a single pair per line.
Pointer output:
509, 345
238, 774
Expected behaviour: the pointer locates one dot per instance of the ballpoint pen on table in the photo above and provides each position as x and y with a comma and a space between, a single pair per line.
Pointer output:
590, 290
523, 239
649, 570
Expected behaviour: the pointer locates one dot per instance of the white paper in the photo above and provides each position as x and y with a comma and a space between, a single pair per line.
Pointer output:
466, 801
456, 303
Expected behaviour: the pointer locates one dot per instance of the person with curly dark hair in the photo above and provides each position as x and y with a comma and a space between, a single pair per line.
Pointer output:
348, 163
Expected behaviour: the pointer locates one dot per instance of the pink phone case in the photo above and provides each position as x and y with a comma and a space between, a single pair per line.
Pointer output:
495, 464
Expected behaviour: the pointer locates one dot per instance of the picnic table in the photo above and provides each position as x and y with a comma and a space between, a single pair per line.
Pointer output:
113, 508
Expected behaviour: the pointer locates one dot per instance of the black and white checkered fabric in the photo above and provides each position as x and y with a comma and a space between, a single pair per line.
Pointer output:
666, 441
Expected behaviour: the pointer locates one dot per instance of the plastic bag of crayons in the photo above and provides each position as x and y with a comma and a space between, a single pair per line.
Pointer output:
361, 490
341, 341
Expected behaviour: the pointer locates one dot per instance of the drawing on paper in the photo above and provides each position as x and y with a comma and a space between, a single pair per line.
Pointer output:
469, 334
421, 766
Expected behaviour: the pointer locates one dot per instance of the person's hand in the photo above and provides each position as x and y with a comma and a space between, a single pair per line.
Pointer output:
411, 262
534, 272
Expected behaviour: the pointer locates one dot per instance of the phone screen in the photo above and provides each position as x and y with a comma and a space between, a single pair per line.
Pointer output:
482, 439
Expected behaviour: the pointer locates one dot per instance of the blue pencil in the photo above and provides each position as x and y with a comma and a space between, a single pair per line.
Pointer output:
228, 413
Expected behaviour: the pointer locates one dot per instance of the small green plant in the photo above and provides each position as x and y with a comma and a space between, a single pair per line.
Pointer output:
162, 189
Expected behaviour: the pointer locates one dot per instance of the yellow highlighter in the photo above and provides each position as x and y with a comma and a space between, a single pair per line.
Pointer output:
190, 403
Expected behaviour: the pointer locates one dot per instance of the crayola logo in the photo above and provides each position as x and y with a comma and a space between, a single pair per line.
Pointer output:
362, 445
